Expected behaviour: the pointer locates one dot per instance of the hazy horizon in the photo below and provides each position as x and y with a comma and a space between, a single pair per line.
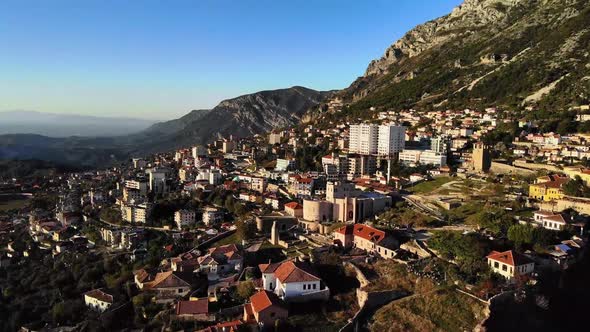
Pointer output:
154, 60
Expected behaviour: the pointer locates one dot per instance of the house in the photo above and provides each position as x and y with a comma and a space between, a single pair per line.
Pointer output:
550, 220
221, 260
232, 326
294, 209
194, 310
548, 188
510, 264
265, 308
366, 238
98, 300
187, 261
167, 285
293, 281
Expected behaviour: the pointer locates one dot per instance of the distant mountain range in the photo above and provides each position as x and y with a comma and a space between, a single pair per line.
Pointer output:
243, 116
65, 125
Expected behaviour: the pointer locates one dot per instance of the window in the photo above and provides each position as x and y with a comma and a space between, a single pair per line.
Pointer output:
314, 286
504, 267
180, 290
272, 314
496, 265
304, 286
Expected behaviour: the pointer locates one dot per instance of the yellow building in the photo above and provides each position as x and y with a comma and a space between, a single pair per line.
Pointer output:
548, 188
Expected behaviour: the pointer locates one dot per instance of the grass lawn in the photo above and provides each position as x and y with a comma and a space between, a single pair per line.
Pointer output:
232, 239
429, 186
441, 310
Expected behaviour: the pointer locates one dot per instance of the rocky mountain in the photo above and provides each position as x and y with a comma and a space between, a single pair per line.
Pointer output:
243, 116
486, 52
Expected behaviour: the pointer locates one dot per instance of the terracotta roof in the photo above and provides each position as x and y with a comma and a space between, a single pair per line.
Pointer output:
294, 205
509, 257
142, 275
167, 280
100, 295
544, 213
289, 271
363, 231
263, 300
269, 268
200, 306
556, 218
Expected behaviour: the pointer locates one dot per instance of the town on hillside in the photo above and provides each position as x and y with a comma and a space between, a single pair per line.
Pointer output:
400, 220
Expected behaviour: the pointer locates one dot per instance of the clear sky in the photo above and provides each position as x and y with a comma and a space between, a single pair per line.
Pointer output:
160, 59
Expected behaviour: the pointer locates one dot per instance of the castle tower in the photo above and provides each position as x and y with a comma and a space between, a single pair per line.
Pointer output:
274, 234
482, 159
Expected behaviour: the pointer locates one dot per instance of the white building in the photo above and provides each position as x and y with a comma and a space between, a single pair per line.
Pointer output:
184, 218
424, 157
363, 138
391, 140
98, 300
510, 264
212, 216
294, 281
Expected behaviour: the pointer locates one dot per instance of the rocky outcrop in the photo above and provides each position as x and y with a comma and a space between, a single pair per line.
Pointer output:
465, 19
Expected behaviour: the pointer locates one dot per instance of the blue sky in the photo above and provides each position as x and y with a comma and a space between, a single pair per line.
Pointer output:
160, 59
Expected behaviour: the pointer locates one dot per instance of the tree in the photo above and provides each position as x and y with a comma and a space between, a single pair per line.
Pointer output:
576, 187
520, 234
246, 289
245, 230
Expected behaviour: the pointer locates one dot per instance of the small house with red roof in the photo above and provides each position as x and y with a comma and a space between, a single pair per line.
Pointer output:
265, 308
366, 238
293, 281
98, 300
294, 209
194, 310
510, 264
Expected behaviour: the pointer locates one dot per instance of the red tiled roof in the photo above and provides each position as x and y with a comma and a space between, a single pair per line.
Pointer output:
166, 280
100, 295
363, 231
290, 272
269, 268
263, 300
509, 257
294, 206
223, 327
200, 306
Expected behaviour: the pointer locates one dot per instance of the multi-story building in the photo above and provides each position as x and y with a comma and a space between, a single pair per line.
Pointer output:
424, 157
136, 213
274, 138
548, 188
391, 140
138, 184
157, 181
284, 164
363, 139
184, 218
212, 216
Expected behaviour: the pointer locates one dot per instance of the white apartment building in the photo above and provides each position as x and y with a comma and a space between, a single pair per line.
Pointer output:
424, 157
184, 218
212, 216
391, 140
363, 138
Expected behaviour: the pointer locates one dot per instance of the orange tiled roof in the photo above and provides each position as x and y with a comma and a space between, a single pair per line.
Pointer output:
200, 306
290, 272
363, 231
509, 257
263, 300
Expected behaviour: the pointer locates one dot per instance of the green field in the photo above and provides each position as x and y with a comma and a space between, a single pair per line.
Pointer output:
429, 186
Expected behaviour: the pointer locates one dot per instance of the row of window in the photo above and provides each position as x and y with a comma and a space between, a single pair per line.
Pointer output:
309, 286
